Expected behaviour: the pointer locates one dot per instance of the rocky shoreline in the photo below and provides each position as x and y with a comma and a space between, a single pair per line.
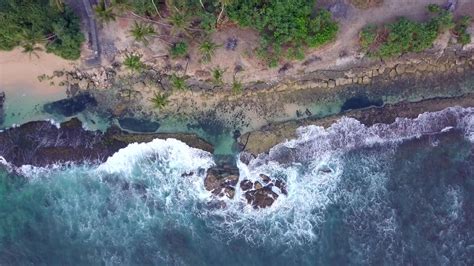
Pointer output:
262, 140
40, 143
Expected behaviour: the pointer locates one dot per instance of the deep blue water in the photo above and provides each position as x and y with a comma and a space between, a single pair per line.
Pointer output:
397, 195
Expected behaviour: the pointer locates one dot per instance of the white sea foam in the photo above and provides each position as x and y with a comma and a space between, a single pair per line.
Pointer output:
311, 165
304, 163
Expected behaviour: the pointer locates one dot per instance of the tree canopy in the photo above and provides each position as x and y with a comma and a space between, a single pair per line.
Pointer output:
28, 23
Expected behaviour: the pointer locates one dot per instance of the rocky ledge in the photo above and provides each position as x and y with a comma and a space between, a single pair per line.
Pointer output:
223, 181
41, 143
260, 141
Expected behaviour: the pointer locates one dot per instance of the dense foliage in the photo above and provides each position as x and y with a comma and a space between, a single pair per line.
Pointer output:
461, 30
405, 35
285, 24
28, 23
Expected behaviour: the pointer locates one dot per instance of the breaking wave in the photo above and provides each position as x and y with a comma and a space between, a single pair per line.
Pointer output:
150, 197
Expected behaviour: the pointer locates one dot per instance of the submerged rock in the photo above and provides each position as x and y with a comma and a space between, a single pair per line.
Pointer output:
71, 106
138, 125
41, 143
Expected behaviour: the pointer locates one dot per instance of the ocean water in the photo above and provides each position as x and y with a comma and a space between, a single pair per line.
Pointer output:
388, 194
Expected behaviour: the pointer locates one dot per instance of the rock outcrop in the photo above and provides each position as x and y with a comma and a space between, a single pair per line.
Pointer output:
260, 141
41, 143
223, 181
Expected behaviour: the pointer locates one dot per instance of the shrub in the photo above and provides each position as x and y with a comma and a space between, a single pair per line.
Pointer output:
284, 23
179, 49
460, 30
207, 49
178, 83
133, 62
159, 100
217, 75
404, 35
237, 86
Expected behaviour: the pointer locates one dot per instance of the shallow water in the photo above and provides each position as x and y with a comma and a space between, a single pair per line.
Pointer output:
388, 194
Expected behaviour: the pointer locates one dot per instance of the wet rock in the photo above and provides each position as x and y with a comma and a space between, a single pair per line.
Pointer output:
229, 192
41, 143
266, 179
282, 186
246, 185
261, 198
221, 181
257, 185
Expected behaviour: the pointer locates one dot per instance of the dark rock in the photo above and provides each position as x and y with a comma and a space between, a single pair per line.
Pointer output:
285, 68
138, 125
229, 192
2, 101
246, 157
187, 174
282, 186
40, 143
257, 185
246, 185
71, 106
266, 179
261, 198
308, 112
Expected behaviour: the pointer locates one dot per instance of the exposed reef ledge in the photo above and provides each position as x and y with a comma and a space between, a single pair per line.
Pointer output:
262, 140
41, 143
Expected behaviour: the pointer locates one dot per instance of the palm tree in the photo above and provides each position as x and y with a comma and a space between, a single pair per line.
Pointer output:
59, 4
141, 32
159, 100
178, 82
207, 49
104, 13
133, 62
180, 22
217, 75
31, 49
223, 3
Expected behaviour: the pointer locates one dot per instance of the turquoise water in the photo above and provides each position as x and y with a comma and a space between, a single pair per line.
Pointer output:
393, 194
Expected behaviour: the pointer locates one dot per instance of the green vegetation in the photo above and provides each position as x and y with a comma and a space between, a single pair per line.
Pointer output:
141, 32
237, 86
460, 30
104, 13
217, 75
133, 62
31, 24
179, 49
207, 49
178, 83
405, 35
284, 24
159, 100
